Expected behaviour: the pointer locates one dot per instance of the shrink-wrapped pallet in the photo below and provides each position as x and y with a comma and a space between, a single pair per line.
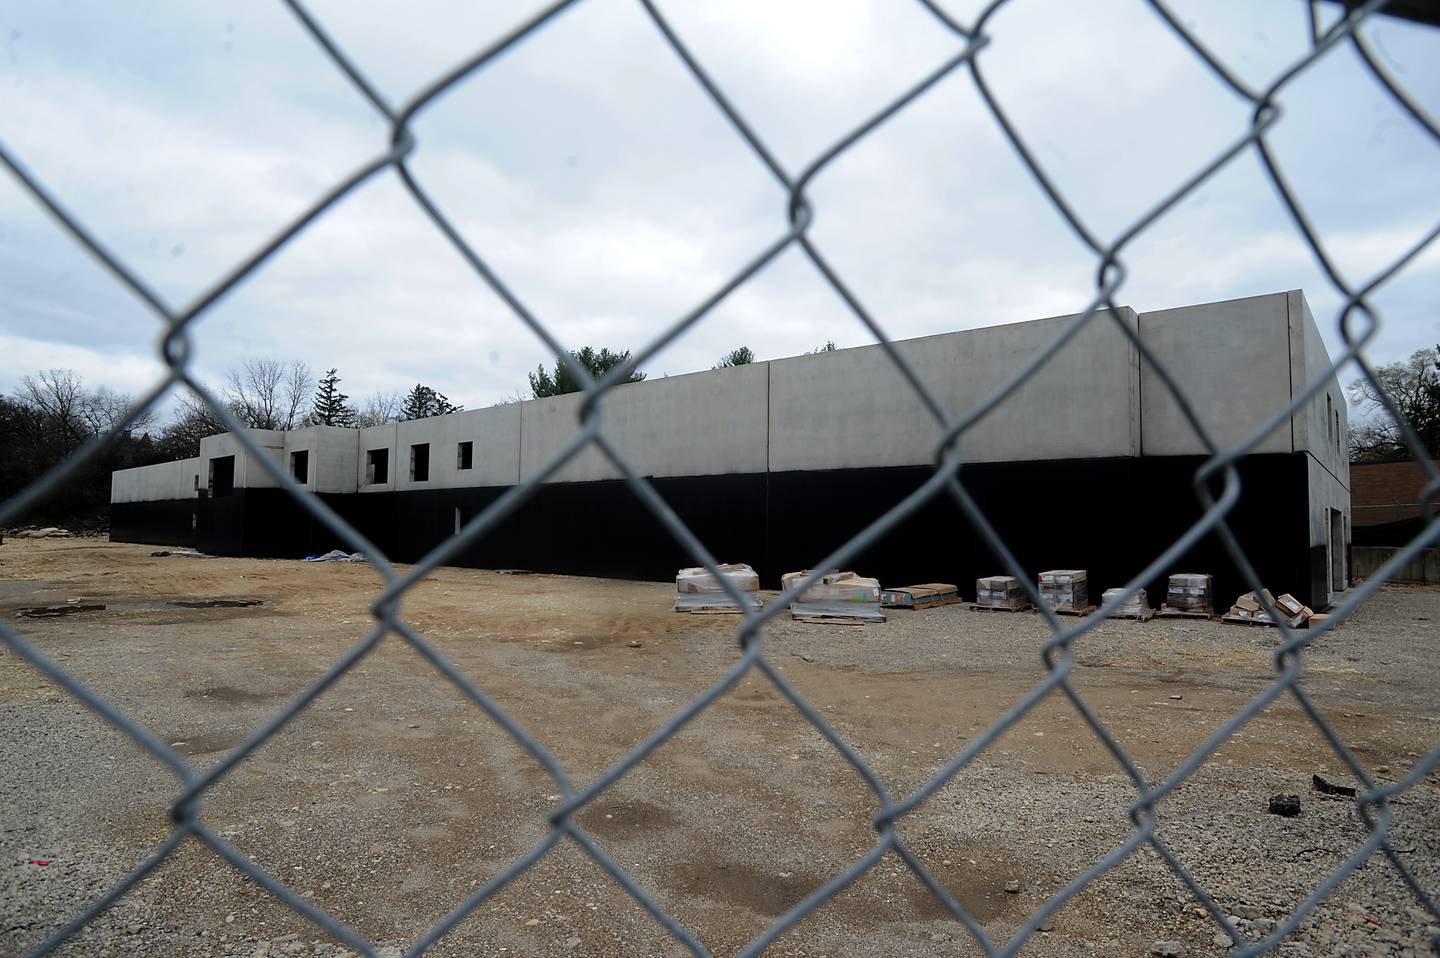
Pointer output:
1064, 590
836, 595
1136, 605
696, 590
1189, 592
1000, 592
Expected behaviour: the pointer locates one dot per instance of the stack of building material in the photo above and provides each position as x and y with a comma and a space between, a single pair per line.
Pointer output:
1135, 606
835, 597
1000, 592
1249, 610
1065, 590
696, 590
926, 595
1189, 592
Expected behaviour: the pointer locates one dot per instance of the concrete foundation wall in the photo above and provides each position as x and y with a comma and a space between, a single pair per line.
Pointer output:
770, 436
852, 408
1425, 567
495, 437
248, 475
1322, 425
372, 438
706, 423
1326, 494
164, 480
1231, 360
332, 451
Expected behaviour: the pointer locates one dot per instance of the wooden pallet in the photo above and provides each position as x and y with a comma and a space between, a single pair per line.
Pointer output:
1085, 611
1000, 608
712, 611
1237, 620
1165, 612
1141, 617
836, 620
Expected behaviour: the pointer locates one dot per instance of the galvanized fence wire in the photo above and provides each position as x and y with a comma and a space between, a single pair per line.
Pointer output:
1216, 484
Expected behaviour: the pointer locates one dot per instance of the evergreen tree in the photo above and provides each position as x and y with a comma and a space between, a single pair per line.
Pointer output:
422, 402
596, 362
330, 408
740, 356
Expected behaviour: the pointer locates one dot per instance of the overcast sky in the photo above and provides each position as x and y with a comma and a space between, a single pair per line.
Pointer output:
600, 182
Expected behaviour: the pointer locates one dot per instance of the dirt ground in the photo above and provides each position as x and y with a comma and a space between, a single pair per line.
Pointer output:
392, 796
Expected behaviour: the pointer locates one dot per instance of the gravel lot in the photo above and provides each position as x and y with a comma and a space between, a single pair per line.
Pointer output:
392, 797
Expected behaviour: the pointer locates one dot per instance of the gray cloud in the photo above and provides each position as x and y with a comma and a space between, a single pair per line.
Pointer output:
594, 175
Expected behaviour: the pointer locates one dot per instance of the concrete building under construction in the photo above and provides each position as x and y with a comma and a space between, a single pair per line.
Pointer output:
1089, 465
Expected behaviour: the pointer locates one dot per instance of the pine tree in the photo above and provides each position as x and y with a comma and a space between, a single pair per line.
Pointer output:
330, 408
740, 356
596, 362
423, 402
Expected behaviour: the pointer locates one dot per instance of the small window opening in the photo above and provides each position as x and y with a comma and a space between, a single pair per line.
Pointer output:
222, 476
420, 462
377, 467
465, 455
300, 466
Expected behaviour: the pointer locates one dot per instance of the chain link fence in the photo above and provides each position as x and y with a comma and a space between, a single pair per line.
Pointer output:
1216, 484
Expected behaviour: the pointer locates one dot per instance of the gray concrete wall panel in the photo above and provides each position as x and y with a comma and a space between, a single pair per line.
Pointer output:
852, 408
1231, 359
495, 451
706, 423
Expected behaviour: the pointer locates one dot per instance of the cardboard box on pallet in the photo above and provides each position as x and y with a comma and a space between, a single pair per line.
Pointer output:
696, 590
836, 595
1190, 592
1064, 590
1000, 592
1249, 608
1137, 604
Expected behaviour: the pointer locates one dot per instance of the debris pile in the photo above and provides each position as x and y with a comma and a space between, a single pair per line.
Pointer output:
48, 532
696, 590
1249, 610
337, 555
836, 597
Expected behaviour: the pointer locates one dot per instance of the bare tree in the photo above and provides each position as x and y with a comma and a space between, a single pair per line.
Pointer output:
1413, 385
511, 398
380, 408
269, 393
193, 421
107, 409
59, 396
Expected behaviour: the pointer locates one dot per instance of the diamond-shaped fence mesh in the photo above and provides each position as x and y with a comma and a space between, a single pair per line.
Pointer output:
1357, 322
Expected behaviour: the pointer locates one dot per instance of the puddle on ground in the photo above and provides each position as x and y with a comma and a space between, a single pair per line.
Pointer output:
74, 608
231, 695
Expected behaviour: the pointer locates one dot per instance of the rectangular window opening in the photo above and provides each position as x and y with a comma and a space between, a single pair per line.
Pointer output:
465, 455
222, 476
420, 462
377, 467
300, 466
